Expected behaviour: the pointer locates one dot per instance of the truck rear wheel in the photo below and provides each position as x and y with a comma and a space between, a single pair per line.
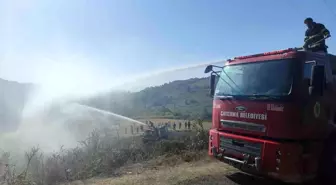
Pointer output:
326, 174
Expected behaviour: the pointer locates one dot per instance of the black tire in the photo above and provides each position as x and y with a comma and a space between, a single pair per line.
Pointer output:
327, 167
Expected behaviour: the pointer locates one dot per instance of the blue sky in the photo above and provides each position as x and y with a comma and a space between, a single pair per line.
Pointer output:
111, 39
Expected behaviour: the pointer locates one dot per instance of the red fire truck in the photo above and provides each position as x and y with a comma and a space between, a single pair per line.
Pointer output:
273, 114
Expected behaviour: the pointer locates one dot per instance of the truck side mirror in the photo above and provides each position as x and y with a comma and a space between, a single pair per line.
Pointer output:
316, 87
212, 84
208, 69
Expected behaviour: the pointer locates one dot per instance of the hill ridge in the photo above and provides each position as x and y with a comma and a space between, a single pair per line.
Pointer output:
179, 99
13, 98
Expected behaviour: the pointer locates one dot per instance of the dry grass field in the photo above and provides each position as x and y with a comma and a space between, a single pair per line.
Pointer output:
125, 126
202, 172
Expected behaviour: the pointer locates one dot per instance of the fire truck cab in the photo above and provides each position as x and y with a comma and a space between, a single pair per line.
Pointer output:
273, 114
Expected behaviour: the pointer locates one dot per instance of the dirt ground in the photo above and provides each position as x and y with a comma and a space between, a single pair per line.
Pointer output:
203, 172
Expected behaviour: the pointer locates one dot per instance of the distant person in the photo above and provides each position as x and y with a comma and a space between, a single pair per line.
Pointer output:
315, 33
174, 126
141, 128
189, 124
180, 125
67, 174
185, 125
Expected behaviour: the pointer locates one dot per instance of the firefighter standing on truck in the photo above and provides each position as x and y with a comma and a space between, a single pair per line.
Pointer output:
315, 33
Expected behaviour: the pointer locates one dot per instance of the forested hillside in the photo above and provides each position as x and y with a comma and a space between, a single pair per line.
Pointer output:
184, 99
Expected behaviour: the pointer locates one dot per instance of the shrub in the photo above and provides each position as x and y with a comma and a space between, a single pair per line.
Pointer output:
102, 155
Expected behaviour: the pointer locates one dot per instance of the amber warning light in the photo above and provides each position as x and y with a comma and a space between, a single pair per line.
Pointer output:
267, 53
